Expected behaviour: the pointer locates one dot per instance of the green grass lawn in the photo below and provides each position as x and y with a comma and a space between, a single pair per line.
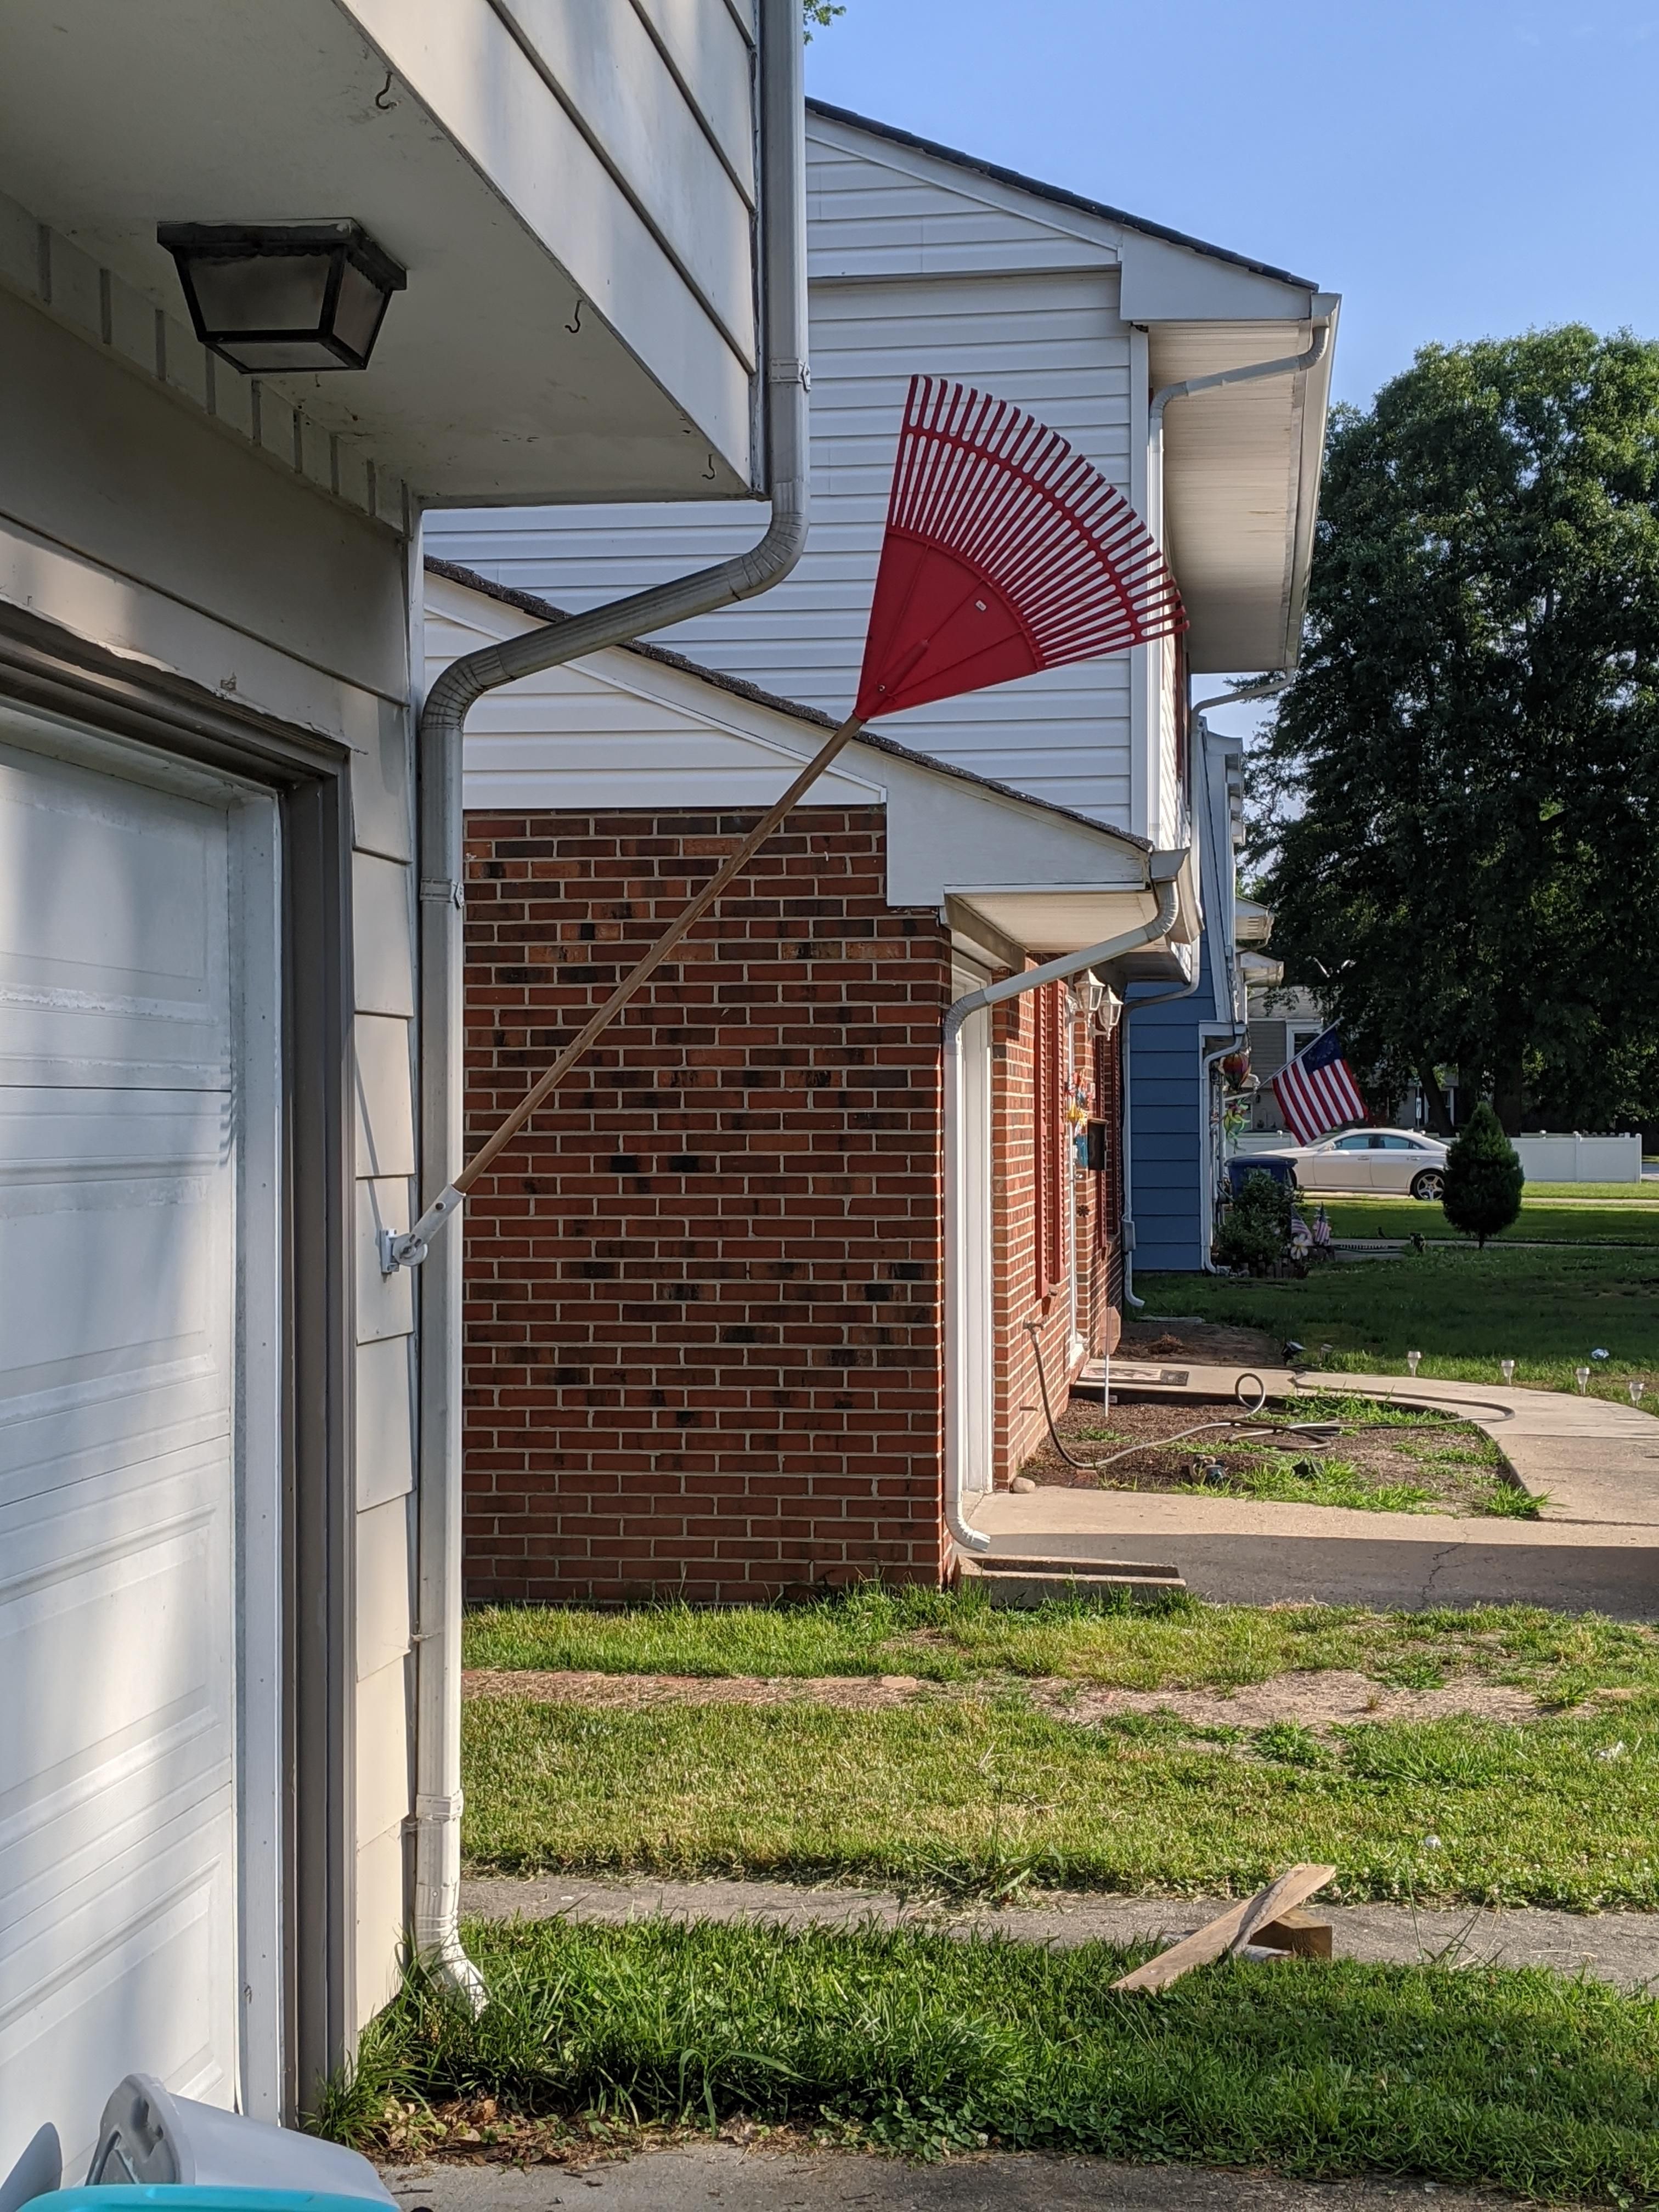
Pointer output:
919, 2043
1464, 1310
980, 1795
1543, 1221
947, 1637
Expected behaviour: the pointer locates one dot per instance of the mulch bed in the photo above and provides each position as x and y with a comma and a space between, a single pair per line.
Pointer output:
1382, 1456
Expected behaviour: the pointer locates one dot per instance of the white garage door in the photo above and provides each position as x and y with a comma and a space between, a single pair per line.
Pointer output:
121, 1002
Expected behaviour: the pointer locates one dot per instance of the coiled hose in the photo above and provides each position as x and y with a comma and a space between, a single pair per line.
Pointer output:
1315, 1434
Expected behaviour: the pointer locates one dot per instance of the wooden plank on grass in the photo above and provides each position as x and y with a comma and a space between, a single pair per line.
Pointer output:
1240, 1924
1304, 1933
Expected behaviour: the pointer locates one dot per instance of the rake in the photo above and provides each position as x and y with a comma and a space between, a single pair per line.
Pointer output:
1006, 552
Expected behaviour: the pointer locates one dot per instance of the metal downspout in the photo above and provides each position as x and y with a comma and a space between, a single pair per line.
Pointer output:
438, 1704
956, 1319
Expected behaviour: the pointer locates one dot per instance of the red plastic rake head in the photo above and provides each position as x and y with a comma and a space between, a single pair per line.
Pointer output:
1006, 552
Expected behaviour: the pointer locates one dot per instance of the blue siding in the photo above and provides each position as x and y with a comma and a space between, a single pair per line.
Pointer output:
1166, 1165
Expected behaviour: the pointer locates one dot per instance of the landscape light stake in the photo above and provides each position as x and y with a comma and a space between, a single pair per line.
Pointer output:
1006, 552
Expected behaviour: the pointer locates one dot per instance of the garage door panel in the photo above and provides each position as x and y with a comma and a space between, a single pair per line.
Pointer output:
141, 1255
114, 951
120, 1703
118, 1438
115, 1299
141, 1978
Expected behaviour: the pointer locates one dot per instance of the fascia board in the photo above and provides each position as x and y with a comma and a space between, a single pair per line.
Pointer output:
1163, 282
944, 834
1315, 416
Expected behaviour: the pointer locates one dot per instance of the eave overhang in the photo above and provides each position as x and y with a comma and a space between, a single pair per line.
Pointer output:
570, 329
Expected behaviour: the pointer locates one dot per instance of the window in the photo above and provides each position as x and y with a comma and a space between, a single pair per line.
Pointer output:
1045, 1115
1396, 1145
1353, 1144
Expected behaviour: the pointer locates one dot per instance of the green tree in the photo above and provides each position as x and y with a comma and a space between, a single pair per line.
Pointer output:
1484, 1177
818, 15
1462, 784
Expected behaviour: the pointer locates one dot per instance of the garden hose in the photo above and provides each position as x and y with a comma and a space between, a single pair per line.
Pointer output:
1315, 1434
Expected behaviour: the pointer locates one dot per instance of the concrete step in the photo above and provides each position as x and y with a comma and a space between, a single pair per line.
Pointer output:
1011, 1581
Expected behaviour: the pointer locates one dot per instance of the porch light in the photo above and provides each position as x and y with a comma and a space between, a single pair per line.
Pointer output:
268, 297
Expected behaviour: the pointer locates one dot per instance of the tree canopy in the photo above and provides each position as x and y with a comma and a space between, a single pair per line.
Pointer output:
1462, 784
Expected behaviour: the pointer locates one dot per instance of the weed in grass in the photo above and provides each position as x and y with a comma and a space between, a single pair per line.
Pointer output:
1316, 1481
955, 1789
924, 2044
1287, 1743
1509, 1501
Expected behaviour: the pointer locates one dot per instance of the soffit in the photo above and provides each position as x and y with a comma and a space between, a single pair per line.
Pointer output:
1241, 483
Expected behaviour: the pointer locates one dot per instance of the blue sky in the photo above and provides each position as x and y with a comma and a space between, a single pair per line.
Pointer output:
1454, 168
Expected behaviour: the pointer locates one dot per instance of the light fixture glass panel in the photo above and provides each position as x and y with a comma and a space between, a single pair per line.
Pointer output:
358, 310
266, 292
269, 356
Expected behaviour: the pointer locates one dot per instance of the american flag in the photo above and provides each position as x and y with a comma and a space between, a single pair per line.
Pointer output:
1318, 1091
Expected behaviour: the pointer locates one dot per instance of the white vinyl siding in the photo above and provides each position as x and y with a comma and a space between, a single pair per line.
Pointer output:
1050, 343
874, 208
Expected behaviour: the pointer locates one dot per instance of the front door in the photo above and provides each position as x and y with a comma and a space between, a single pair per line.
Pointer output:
131, 1251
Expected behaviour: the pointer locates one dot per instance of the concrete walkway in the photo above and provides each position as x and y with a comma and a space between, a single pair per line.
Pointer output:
1622, 1948
1594, 1548
720, 2176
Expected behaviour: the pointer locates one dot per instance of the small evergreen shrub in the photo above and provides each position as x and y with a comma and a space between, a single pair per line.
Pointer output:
1255, 1230
1484, 1177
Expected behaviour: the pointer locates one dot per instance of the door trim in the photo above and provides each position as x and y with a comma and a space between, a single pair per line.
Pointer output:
49, 670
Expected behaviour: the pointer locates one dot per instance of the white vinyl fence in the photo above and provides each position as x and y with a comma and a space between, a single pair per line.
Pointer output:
1575, 1158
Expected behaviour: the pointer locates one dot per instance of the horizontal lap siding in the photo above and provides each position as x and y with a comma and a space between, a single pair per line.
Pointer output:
1168, 1138
977, 302
703, 1337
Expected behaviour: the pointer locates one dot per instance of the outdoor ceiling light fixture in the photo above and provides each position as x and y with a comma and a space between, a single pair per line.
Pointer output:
272, 296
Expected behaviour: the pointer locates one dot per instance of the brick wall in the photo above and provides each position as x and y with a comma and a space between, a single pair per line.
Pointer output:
1093, 1211
703, 1330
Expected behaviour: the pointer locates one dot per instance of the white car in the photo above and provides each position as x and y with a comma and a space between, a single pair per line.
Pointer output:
1396, 1160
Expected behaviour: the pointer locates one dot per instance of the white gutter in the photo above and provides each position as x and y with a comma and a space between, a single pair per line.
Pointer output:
955, 1209
438, 1521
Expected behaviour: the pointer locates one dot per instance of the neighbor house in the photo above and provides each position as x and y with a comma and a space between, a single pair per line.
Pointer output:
1196, 379
229, 1781
1178, 1042
707, 1305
